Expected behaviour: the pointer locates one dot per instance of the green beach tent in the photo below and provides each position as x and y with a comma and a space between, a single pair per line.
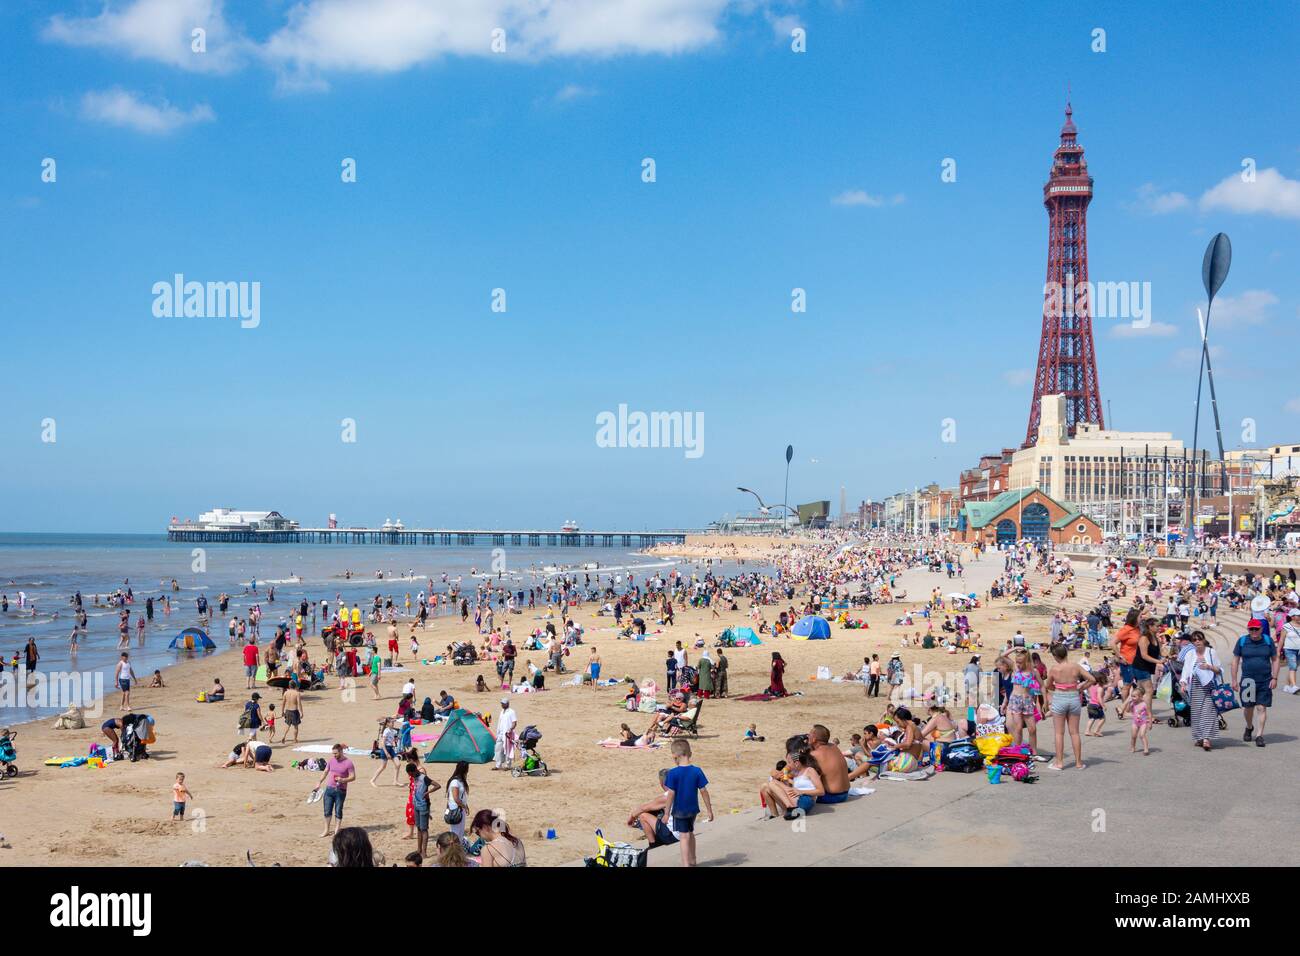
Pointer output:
464, 737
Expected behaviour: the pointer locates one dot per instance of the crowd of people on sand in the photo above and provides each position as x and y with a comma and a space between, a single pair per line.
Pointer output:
1158, 657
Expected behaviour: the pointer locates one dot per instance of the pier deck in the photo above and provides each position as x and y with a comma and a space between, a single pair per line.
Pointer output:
431, 536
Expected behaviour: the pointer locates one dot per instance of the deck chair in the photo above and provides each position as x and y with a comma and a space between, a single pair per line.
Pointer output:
686, 724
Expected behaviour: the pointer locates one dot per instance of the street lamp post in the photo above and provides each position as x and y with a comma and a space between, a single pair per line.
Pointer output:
1214, 271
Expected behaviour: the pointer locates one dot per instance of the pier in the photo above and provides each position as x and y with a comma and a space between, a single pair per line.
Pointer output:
428, 536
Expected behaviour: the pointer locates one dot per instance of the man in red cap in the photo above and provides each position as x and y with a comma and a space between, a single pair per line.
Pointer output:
1254, 675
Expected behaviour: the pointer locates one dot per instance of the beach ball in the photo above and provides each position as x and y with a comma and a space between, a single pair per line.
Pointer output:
1019, 771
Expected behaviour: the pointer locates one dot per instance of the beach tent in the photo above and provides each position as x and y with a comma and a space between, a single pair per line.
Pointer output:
811, 628
192, 639
464, 737
745, 634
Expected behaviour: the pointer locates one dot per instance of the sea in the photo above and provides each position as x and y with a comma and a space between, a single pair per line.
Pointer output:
48, 569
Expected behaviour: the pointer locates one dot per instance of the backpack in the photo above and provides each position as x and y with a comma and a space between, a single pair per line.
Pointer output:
246, 718
963, 758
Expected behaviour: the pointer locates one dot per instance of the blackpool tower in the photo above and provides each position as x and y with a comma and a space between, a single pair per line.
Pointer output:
1067, 360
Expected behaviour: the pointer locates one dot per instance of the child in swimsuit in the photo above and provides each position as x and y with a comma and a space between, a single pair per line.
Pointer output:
1096, 705
1141, 724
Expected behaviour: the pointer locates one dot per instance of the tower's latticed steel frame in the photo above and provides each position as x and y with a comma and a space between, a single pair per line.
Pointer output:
1067, 359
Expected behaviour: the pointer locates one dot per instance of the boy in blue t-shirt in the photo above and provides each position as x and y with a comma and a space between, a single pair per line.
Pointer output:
686, 784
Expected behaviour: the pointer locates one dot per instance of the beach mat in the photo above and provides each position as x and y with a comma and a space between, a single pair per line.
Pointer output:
328, 748
766, 697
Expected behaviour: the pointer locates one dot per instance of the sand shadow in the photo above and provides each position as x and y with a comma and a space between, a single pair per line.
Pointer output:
731, 859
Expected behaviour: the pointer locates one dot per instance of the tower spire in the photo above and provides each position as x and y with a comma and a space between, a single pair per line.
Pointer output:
1067, 361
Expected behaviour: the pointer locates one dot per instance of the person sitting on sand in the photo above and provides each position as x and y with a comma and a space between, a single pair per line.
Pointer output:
650, 817
445, 705
157, 680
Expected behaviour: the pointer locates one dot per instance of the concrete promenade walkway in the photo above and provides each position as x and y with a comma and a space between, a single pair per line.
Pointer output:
1236, 805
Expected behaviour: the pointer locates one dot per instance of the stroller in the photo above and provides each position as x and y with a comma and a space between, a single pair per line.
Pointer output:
463, 654
1182, 710
137, 732
8, 758
533, 765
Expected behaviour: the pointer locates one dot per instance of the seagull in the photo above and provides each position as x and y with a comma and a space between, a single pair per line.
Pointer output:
763, 508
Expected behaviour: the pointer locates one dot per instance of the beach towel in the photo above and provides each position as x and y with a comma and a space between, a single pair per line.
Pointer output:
766, 697
879, 754
420, 738
925, 773
328, 748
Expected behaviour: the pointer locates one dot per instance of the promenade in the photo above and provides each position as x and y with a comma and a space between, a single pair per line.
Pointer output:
1177, 805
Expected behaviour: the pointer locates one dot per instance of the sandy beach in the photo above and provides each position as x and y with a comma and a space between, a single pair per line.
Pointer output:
120, 815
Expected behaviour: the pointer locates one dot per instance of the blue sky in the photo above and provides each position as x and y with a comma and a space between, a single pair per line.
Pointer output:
522, 170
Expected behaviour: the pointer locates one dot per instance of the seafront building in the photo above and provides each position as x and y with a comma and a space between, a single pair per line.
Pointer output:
228, 519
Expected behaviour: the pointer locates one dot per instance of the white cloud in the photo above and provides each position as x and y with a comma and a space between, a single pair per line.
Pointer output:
1152, 202
783, 25
1157, 330
1271, 194
860, 197
159, 30
573, 91
119, 107
1192, 356
1018, 376
391, 35
1251, 307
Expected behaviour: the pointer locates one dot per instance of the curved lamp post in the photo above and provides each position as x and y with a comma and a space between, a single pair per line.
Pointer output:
1214, 272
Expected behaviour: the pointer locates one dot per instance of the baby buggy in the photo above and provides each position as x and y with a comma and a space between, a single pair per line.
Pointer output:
463, 654
533, 765
136, 730
1182, 711
8, 758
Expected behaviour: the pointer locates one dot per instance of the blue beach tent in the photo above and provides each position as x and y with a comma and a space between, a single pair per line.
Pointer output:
812, 628
192, 639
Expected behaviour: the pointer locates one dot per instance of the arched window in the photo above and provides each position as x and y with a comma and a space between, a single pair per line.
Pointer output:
1006, 532
1035, 522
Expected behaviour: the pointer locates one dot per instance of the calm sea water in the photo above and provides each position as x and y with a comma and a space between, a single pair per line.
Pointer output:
50, 568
